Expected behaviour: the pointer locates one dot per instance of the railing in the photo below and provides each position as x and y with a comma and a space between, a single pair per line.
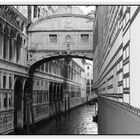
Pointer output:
125, 106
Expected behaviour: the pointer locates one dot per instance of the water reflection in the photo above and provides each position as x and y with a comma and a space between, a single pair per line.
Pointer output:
77, 121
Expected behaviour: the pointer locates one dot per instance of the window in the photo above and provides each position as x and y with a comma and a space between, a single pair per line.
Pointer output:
120, 77
46, 84
40, 98
10, 48
88, 82
37, 83
44, 97
87, 67
18, 48
53, 38
126, 68
126, 52
127, 80
41, 83
5, 100
85, 38
10, 100
91, 82
88, 89
10, 82
47, 96
4, 82
91, 89
5, 43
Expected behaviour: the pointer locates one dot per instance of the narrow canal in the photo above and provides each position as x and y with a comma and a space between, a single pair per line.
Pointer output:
78, 121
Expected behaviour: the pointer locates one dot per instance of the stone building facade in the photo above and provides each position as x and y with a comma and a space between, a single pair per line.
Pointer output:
51, 79
115, 39
111, 56
89, 79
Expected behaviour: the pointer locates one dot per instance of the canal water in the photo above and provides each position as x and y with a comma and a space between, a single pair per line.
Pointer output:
78, 121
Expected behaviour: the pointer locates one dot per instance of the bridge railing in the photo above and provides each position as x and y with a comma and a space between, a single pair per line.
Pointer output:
124, 106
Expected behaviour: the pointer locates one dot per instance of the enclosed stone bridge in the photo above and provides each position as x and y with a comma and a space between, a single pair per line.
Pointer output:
66, 33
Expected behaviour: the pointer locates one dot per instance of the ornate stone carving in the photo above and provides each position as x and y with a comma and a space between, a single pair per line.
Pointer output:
6, 121
12, 17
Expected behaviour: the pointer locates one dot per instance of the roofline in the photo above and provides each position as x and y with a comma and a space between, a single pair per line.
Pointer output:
58, 16
66, 30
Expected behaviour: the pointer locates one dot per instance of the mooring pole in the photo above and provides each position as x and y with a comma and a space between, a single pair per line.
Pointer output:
68, 104
65, 105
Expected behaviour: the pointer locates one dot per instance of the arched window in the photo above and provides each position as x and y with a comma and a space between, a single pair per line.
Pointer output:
18, 48
11, 46
5, 43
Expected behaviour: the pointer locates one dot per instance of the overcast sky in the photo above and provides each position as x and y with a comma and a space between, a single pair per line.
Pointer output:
86, 9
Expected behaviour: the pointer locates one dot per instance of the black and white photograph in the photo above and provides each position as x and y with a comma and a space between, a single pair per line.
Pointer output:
69, 68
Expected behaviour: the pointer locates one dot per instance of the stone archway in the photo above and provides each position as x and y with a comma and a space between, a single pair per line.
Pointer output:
18, 120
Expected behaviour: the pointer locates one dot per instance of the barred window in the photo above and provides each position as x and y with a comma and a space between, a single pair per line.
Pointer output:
84, 37
53, 38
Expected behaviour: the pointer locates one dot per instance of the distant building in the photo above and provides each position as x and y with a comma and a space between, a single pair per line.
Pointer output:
89, 77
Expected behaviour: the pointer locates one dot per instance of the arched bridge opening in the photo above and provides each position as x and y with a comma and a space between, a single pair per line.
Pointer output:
56, 91
44, 59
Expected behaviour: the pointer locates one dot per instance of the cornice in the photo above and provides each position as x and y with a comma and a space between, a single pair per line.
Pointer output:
20, 15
